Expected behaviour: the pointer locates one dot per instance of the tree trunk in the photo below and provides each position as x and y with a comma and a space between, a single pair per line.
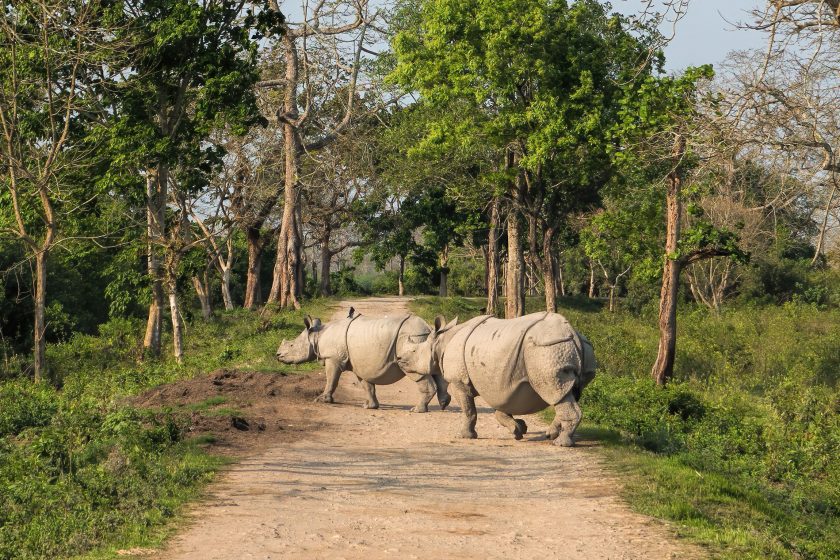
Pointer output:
612, 298
401, 277
156, 185
284, 289
549, 274
40, 346
493, 259
226, 297
326, 260
534, 260
253, 287
177, 325
823, 226
444, 272
591, 280
663, 368
202, 291
561, 283
514, 288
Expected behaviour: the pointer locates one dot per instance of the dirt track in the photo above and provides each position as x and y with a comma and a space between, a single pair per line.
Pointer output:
392, 484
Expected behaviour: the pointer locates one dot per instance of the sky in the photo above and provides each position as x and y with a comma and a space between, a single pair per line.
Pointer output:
707, 33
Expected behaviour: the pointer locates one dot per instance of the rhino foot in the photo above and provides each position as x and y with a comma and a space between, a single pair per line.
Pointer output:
523, 427
564, 440
445, 402
324, 398
420, 409
552, 433
370, 406
467, 434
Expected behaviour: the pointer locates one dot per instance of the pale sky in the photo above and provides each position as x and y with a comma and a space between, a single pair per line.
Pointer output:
708, 32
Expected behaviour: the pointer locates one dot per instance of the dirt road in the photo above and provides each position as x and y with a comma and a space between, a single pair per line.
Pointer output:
392, 484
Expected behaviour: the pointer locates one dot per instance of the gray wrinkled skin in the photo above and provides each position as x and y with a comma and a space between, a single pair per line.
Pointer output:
367, 349
519, 366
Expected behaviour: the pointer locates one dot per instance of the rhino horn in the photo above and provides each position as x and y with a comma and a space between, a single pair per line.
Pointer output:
451, 324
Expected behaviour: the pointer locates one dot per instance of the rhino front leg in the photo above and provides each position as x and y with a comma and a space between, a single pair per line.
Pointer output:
465, 398
517, 427
567, 416
442, 391
333, 372
427, 391
370, 389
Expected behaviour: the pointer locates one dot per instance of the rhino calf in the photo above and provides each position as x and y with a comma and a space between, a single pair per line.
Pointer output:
369, 347
519, 366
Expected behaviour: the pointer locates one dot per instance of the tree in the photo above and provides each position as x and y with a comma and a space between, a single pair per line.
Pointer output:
655, 136
312, 49
538, 88
192, 69
53, 53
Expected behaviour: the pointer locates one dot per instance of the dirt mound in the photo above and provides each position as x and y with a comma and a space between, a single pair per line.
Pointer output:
240, 412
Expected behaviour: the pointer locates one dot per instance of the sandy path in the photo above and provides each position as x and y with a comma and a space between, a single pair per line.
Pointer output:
392, 484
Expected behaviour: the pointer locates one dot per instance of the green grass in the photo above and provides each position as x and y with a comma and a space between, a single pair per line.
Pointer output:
83, 473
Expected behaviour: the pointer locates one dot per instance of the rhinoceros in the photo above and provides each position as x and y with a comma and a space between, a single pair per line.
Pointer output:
519, 366
369, 347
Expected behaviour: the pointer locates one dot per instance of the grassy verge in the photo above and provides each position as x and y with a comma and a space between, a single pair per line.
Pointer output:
83, 473
740, 450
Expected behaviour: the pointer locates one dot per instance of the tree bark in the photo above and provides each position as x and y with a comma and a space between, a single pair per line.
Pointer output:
549, 270
202, 290
177, 325
444, 272
493, 259
326, 261
823, 226
40, 346
284, 289
663, 368
226, 297
401, 277
253, 286
514, 286
591, 280
156, 186
561, 283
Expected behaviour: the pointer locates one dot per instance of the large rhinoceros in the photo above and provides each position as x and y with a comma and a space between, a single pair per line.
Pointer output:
369, 347
519, 366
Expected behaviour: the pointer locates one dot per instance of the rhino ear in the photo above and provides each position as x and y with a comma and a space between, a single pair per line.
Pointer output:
307, 322
451, 324
316, 324
439, 322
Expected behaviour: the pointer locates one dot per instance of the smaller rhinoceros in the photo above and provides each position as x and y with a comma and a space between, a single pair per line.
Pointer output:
519, 366
369, 347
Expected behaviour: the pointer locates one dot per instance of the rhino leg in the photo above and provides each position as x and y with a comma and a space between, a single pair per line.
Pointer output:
442, 387
333, 372
567, 416
427, 391
465, 398
370, 389
514, 425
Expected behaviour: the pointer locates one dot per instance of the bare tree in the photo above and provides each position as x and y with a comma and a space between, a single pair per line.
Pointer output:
335, 32
49, 50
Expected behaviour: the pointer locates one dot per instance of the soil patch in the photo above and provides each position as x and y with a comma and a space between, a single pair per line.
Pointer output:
240, 412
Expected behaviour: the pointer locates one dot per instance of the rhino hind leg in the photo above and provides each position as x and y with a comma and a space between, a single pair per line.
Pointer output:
567, 416
517, 427
442, 387
465, 398
333, 372
371, 402
427, 391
